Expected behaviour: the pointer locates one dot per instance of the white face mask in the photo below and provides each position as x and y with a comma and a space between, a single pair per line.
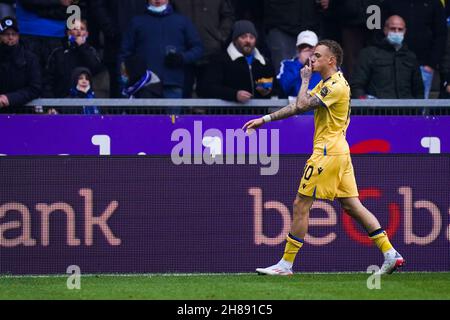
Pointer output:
159, 9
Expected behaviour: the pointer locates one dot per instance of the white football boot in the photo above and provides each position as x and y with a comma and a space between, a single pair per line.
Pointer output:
392, 261
279, 269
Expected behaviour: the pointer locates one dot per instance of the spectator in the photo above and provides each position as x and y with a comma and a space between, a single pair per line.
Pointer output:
7, 8
62, 62
388, 70
214, 20
82, 88
284, 20
168, 42
21, 77
289, 77
241, 73
43, 25
113, 18
427, 32
139, 81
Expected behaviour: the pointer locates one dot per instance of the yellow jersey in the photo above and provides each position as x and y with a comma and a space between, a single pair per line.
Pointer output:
332, 119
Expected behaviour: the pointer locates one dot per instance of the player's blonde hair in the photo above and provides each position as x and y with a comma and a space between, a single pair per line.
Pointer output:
336, 50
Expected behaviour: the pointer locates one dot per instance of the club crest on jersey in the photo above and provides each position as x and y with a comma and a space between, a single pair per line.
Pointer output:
324, 92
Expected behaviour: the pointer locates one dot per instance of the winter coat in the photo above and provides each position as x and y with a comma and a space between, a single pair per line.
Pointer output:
20, 76
230, 72
291, 16
153, 35
61, 64
213, 19
426, 32
385, 73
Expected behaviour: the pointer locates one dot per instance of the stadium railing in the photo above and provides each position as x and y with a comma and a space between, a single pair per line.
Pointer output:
399, 107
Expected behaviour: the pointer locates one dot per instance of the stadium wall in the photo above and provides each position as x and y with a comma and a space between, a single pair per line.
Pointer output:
147, 215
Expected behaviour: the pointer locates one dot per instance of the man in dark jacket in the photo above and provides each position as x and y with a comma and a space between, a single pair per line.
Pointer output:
427, 32
389, 70
241, 73
113, 18
167, 41
284, 20
213, 20
20, 80
75, 53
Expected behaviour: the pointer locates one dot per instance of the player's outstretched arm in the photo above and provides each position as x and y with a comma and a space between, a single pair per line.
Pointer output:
283, 113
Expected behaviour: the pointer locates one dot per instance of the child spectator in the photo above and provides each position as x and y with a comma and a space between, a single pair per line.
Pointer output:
82, 89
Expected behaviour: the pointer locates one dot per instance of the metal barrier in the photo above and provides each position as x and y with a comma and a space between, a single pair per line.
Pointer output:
221, 107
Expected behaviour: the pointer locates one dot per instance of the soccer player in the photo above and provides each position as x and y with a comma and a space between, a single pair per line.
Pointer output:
328, 173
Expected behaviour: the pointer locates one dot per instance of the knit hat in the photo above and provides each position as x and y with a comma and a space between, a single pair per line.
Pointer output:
242, 27
8, 22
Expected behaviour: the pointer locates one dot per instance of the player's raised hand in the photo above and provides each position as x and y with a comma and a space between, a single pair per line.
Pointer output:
253, 124
306, 71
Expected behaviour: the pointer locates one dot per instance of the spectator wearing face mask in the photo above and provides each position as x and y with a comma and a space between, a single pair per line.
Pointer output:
20, 80
75, 53
388, 70
289, 77
427, 32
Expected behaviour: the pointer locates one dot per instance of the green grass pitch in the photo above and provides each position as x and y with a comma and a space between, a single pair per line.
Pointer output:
402, 286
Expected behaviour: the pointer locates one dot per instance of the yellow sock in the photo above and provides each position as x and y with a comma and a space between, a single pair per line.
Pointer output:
293, 245
381, 240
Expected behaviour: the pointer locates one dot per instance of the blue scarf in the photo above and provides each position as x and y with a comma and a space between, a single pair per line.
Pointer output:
131, 91
74, 93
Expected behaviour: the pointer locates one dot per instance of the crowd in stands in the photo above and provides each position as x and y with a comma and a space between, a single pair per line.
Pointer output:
236, 50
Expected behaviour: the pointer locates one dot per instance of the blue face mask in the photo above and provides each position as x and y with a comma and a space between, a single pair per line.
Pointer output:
396, 38
159, 9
